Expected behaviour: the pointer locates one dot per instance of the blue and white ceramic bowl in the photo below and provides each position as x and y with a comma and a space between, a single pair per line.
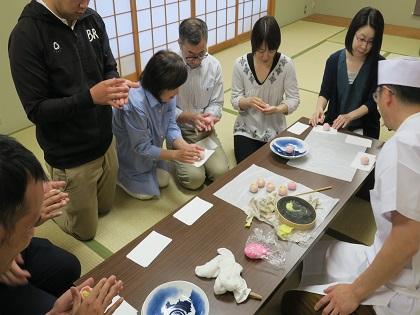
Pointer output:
176, 298
279, 145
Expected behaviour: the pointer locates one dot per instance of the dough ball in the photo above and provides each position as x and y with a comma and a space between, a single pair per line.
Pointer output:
260, 182
291, 185
290, 148
282, 190
256, 251
270, 187
253, 188
202, 155
364, 160
326, 127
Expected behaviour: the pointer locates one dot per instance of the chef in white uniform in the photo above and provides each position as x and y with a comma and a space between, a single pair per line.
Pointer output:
343, 278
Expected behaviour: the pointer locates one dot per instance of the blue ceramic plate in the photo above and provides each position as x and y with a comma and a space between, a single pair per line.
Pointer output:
278, 146
176, 297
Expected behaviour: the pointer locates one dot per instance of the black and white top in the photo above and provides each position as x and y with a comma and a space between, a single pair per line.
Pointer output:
279, 87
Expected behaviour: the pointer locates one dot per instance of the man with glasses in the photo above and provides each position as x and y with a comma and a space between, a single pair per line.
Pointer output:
385, 277
199, 104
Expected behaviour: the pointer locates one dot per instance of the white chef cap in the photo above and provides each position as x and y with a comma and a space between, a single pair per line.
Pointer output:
400, 71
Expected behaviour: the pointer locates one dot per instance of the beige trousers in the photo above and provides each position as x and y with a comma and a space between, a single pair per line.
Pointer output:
91, 189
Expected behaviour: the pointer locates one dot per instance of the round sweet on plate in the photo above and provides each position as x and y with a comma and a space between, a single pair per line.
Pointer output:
288, 147
291, 185
296, 212
364, 160
326, 127
253, 188
282, 190
270, 187
260, 182
176, 297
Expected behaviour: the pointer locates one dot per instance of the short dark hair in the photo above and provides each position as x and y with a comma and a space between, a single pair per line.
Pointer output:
193, 30
18, 166
366, 17
165, 71
266, 30
406, 94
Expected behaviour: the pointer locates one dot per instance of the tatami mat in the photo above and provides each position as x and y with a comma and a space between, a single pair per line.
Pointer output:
88, 258
299, 36
310, 66
310, 44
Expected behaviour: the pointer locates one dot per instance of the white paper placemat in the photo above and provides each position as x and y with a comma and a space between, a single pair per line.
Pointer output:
193, 210
329, 155
149, 248
124, 309
236, 192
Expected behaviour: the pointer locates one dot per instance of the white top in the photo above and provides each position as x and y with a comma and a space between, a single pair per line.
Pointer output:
397, 170
203, 90
280, 82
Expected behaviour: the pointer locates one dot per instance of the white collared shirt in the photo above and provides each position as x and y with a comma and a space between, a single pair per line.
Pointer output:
203, 90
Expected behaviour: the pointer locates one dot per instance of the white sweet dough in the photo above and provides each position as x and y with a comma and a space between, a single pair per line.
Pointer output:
364, 160
253, 188
270, 187
282, 190
260, 182
291, 185
202, 155
227, 272
326, 127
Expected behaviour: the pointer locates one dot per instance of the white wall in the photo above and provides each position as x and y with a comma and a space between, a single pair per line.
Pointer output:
12, 115
288, 11
394, 12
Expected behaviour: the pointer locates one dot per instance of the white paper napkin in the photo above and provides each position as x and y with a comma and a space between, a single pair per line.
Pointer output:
363, 142
193, 210
298, 128
357, 164
149, 248
207, 154
124, 309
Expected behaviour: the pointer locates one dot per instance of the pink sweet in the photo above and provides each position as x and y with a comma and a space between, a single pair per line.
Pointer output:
256, 251
290, 148
326, 127
291, 185
364, 160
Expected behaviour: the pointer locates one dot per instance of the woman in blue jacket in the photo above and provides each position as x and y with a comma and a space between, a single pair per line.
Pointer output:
145, 122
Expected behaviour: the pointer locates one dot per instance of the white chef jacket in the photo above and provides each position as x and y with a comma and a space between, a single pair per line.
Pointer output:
397, 175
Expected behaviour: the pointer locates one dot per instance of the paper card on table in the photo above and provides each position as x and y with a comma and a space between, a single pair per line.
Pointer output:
124, 309
207, 143
298, 128
357, 163
193, 210
319, 128
363, 142
207, 154
148, 249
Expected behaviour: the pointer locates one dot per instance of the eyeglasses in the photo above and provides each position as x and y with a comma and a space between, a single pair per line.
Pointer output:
364, 41
376, 93
198, 57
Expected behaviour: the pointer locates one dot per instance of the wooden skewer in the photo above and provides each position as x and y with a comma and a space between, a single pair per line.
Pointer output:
255, 296
315, 190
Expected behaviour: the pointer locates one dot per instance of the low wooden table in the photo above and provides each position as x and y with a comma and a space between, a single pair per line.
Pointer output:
222, 226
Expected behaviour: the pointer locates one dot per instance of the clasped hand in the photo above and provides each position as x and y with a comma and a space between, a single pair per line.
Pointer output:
113, 92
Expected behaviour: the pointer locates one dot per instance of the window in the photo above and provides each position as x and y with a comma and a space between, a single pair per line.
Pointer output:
139, 28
